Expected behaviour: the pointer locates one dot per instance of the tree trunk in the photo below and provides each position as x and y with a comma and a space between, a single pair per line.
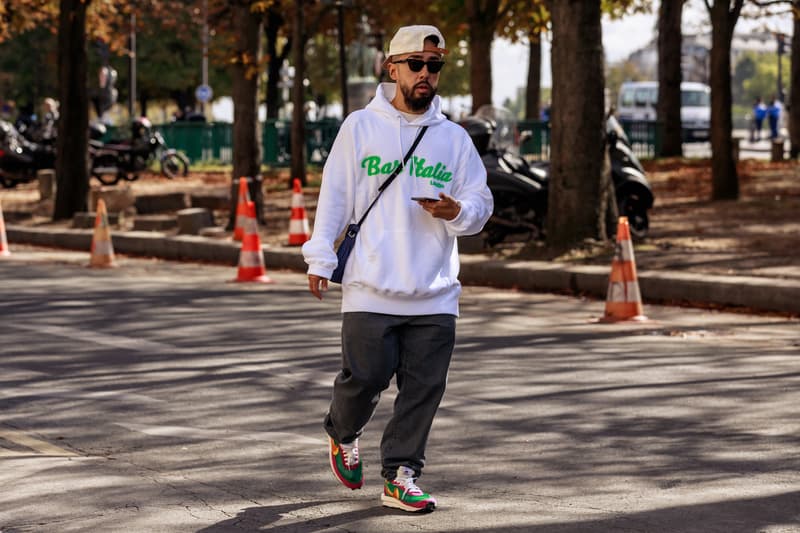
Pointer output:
669, 76
724, 179
533, 91
482, 16
274, 22
576, 210
72, 166
794, 89
244, 78
298, 132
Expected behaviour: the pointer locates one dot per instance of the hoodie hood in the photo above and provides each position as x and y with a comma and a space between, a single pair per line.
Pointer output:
382, 103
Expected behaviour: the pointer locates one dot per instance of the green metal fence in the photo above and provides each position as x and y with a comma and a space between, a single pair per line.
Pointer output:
644, 136
534, 139
214, 141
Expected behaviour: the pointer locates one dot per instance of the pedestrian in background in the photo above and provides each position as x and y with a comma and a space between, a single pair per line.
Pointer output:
400, 287
759, 112
774, 114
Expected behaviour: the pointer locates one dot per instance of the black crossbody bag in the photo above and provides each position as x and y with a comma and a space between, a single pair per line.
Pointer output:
346, 246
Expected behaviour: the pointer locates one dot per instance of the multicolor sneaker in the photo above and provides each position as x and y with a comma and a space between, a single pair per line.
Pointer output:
345, 463
403, 493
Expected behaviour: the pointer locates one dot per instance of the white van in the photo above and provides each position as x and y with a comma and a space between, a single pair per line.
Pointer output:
638, 100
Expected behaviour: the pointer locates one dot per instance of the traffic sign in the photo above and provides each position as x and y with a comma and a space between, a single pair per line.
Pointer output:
203, 93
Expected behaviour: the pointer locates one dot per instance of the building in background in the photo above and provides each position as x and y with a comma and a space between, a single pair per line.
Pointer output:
696, 53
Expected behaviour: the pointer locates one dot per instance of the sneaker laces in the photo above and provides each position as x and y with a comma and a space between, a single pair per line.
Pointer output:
350, 452
405, 478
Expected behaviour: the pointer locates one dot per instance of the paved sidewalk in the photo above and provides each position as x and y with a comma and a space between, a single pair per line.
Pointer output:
665, 286
161, 397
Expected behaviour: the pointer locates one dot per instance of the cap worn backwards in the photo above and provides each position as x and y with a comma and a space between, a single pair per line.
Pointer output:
410, 39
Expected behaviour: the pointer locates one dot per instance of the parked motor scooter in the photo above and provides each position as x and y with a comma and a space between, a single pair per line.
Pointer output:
21, 159
520, 189
124, 160
633, 192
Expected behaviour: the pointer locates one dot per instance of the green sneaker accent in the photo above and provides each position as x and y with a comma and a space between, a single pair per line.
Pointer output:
345, 464
403, 493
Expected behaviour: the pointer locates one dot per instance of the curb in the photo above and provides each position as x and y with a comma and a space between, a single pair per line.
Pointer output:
754, 293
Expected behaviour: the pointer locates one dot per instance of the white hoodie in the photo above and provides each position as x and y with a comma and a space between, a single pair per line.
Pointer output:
405, 262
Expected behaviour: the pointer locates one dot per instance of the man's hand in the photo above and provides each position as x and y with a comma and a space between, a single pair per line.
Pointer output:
446, 207
317, 285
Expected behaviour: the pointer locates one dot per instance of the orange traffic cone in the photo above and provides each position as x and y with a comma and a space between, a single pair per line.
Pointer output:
298, 223
102, 249
3, 240
251, 258
623, 302
241, 210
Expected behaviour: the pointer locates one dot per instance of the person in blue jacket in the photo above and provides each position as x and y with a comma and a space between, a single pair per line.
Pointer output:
759, 113
774, 114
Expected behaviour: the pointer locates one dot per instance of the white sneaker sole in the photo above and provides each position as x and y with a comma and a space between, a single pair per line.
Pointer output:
388, 501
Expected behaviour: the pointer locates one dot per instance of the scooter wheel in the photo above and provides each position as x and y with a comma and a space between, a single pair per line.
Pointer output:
638, 220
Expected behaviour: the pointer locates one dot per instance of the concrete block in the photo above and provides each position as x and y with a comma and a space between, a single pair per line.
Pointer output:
192, 220
86, 219
214, 232
154, 222
117, 198
161, 203
219, 200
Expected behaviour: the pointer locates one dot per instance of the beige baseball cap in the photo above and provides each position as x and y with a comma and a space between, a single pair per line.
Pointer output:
410, 39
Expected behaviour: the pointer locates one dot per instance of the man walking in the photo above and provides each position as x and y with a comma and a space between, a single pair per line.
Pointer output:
400, 286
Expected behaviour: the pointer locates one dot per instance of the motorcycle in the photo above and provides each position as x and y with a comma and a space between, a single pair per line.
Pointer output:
20, 158
520, 188
124, 160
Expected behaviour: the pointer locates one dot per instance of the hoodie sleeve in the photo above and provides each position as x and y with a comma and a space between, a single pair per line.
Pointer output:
335, 206
471, 192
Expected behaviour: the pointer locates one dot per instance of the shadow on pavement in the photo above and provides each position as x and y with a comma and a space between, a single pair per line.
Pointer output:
258, 518
780, 512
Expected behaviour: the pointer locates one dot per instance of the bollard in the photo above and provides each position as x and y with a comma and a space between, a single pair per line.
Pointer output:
735, 147
47, 183
777, 150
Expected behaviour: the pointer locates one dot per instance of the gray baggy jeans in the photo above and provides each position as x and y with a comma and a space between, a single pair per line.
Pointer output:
374, 348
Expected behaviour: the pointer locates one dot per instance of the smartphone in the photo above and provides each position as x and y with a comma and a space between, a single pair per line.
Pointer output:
424, 199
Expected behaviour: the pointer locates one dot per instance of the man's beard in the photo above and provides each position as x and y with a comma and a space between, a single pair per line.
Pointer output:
418, 103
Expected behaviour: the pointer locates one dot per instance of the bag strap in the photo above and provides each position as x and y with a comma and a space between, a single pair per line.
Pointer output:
394, 174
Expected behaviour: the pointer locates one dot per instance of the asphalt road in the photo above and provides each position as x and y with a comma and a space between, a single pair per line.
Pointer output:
160, 396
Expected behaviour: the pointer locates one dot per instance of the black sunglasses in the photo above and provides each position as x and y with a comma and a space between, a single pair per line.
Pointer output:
434, 65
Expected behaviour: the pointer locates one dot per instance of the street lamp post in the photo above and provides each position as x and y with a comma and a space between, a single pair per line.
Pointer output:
342, 61
340, 5
781, 50
204, 72
132, 58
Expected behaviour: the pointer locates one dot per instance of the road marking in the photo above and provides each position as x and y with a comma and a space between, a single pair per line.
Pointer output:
39, 446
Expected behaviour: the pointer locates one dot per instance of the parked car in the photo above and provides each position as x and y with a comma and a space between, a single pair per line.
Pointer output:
638, 100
